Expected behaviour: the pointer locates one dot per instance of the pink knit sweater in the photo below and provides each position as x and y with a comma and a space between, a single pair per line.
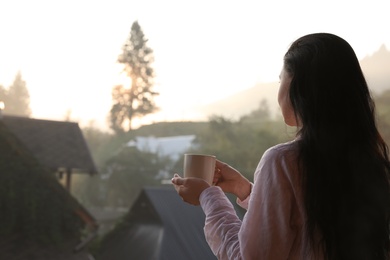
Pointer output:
273, 226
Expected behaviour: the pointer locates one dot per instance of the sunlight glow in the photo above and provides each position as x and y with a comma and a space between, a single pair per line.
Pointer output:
204, 50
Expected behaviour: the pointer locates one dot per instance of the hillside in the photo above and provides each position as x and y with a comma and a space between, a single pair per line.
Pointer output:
245, 101
164, 129
376, 68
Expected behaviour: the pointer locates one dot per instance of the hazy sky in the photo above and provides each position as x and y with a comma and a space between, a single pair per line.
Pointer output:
204, 50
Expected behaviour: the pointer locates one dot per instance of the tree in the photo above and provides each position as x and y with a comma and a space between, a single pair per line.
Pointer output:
382, 104
3, 94
137, 99
3, 98
237, 143
260, 115
17, 100
123, 177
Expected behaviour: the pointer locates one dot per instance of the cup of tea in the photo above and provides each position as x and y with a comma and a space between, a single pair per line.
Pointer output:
199, 166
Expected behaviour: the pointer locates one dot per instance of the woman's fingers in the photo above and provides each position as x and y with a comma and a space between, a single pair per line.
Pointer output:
219, 164
177, 180
189, 189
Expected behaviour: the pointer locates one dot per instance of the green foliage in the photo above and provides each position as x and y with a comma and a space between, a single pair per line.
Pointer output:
17, 98
242, 143
125, 170
3, 94
129, 171
383, 113
103, 146
237, 143
260, 115
108, 151
137, 99
163, 129
99, 143
35, 207
123, 177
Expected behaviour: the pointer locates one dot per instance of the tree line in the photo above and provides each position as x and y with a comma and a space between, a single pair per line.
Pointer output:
240, 142
16, 98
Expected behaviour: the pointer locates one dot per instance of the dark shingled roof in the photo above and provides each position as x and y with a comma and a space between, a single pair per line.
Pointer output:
56, 144
36, 208
158, 226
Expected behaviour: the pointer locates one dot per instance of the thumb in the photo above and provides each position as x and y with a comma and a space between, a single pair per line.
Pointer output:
177, 180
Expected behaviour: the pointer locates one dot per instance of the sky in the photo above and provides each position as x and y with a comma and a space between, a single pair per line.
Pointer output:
204, 50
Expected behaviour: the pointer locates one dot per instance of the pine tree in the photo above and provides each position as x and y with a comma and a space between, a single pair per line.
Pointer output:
136, 100
17, 100
3, 95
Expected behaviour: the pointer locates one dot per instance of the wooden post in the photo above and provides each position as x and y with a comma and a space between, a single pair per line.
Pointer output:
68, 179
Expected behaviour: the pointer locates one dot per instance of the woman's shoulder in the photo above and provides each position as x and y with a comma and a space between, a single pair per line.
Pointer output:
280, 162
282, 150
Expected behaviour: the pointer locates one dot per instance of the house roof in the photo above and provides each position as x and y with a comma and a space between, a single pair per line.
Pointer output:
159, 226
183, 226
56, 144
31, 194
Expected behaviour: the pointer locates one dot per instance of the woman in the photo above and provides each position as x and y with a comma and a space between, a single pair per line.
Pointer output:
324, 195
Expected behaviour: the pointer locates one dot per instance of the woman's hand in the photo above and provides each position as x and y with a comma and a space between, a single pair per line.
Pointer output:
189, 188
230, 180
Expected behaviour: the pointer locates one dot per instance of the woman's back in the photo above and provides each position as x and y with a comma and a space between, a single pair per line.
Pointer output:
342, 156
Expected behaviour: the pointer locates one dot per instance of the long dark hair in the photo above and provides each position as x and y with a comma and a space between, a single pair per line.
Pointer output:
342, 156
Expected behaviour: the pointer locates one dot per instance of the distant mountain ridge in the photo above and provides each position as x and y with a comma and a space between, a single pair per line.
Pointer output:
376, 68
245, 101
